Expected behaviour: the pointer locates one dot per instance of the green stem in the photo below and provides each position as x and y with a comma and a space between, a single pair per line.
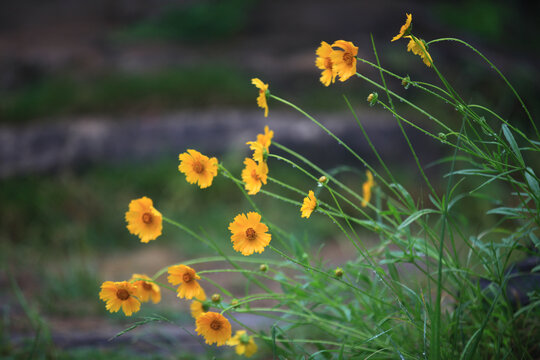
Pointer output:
327, 275
498, 72
196, 236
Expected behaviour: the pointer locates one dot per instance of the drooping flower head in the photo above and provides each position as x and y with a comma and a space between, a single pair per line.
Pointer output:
310, 203
259, 151
366, 188
324, 62
198, 306
344, 60
405, 29
143, 219
146, 290
198, 168
266, 139
245, 345
261, 99
187, 278
254, 175
261, 147
249, 235
418, 47
214, 327
120, 295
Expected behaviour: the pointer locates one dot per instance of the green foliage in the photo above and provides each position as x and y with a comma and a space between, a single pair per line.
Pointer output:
434, 285
206, 21
430, 272
484, 18
198, 85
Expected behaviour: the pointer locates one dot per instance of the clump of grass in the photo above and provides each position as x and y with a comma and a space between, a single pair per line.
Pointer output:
433, 284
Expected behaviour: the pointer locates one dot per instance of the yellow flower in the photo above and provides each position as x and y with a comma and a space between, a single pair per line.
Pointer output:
265, 139
261, 99
418, 47
261, 147
143, 219
366, 188
344, 60
310, 203
245, 345
249, 235
146, 290
198, 306
324, 62
120, 295
198, 168
258, 151
405, 29
214, 327
187, 278
254, 175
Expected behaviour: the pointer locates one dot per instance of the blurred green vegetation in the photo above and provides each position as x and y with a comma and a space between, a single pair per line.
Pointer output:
120, 93
200, 21
57, 229
197, 85
484, 18
493, 21
84, 212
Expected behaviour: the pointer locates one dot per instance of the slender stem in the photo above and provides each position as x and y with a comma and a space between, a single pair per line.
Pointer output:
327, 275
498, 72
196, 236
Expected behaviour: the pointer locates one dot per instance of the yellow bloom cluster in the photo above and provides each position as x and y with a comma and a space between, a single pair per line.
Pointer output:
249, 234
143, 219
336, 62
198, 168
244, 343
263, 90
415, 45
309, 205
366, 188
187, 278
128, 295
255, 173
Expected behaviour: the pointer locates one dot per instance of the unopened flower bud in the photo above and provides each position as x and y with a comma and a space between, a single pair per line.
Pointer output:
372, 98
406, 82
234, 303
216, 298
338, 272
263, 268
323, 180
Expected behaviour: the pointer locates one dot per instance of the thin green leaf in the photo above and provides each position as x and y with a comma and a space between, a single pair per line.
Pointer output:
415, 216
533, 183
144, 321
510, 138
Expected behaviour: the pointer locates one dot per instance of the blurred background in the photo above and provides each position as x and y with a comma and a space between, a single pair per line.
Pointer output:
98, 98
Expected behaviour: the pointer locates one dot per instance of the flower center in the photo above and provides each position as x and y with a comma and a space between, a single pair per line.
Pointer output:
215, 325
328, 63
255, 176
147, 218
348, 58
198, 167
147, 286
187, 277
251, 234
122, 294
